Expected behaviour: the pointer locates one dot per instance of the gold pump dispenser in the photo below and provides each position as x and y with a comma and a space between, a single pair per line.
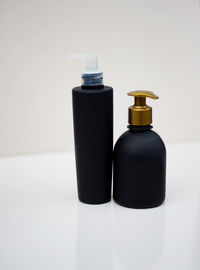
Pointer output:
140, 114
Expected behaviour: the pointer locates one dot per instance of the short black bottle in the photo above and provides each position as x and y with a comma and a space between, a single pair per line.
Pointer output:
139, 159
93, 135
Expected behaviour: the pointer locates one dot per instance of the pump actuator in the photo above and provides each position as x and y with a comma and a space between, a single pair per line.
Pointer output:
140, 114
92, 76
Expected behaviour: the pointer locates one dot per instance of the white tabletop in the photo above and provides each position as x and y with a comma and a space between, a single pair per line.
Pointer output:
44, 226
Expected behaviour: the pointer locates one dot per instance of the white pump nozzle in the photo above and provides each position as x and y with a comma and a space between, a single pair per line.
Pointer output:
91, 62
91, 75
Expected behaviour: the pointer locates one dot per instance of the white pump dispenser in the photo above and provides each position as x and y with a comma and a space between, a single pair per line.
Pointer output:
92, 76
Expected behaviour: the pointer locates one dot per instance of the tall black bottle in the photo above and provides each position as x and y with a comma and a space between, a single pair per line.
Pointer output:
93, 135
139, 159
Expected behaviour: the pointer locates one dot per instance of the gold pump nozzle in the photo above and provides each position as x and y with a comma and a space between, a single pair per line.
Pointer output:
140, 114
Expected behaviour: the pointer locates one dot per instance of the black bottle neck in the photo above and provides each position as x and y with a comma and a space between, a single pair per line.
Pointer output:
139, 128
92, 86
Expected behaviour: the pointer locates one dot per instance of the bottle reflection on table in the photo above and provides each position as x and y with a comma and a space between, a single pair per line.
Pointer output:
138, 237
94, 237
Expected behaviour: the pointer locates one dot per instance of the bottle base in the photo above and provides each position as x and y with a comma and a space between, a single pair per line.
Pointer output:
137, 206
94, 202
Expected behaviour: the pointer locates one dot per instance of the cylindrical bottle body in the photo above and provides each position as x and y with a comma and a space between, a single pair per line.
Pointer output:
93, 137
139, 169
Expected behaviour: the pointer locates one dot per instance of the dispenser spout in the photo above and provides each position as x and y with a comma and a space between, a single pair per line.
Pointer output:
140, 114
92, 76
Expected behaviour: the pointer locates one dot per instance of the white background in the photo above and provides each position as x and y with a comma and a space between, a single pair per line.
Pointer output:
142, 44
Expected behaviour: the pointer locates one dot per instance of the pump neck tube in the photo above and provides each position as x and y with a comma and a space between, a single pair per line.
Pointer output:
92, 79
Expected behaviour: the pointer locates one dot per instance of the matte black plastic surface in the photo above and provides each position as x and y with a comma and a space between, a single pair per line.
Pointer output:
139, 168
93, 134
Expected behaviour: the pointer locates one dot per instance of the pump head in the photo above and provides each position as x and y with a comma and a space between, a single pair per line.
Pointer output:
140, 114
91, 76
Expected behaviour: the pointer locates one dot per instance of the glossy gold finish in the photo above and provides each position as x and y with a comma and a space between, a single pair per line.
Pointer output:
142, 93
140, 114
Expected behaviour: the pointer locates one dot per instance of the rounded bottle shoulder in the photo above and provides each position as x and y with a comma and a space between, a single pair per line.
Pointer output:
132, 142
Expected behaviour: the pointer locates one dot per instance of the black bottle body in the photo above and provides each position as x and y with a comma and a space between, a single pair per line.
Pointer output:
139, 168
93, 137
